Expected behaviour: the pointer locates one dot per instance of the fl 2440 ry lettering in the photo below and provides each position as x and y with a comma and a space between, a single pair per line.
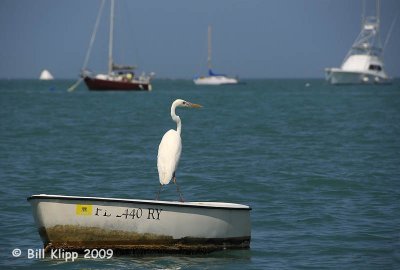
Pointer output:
132, 213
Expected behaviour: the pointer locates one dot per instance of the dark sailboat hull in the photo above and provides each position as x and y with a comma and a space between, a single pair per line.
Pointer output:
106, 85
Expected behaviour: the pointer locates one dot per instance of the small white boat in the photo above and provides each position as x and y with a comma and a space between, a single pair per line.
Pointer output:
212, 78
77, 223
46, 75
363, 64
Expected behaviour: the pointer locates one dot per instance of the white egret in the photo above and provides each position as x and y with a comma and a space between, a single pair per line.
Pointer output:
169, 150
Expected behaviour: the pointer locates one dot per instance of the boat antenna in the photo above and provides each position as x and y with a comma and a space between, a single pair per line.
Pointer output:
92, 38
363, 14
378, 22
378, 12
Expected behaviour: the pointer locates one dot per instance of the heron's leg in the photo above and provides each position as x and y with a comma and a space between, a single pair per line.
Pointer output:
158, 193
177, 189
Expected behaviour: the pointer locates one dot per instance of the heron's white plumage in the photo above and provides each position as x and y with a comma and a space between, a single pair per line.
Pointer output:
169, 153
169, 150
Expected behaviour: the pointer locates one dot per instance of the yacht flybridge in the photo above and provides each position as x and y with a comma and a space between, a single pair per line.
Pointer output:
363, 64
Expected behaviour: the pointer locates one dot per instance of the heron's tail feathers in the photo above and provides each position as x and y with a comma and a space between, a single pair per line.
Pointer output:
165, 178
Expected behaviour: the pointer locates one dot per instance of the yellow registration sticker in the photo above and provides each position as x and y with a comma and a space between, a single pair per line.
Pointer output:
84, 210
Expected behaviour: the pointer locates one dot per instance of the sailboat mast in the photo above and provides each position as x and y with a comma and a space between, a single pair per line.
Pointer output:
209, 47
110, 44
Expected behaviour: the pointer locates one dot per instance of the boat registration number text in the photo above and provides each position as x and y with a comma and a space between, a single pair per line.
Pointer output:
131, 213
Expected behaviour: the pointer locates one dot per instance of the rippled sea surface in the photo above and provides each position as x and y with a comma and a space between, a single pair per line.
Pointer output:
318, 164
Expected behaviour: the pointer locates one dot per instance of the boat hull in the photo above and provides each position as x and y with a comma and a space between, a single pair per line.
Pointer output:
78, 223
215, 80
95, 84
338, 76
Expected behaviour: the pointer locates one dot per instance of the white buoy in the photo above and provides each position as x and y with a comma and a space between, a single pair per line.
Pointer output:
46, 75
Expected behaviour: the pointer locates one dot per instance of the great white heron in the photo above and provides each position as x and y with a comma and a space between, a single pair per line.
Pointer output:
169, 150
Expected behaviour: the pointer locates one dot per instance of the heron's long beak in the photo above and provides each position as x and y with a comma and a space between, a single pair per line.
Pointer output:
192, 105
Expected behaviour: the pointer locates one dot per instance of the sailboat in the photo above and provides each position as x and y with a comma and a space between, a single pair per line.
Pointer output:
213, 78
118, 77
363, 63
46, 75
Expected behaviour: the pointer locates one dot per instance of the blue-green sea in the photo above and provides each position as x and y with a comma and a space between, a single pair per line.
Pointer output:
318, 164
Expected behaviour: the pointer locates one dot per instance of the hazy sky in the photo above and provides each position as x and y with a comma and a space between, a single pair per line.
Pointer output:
251, 38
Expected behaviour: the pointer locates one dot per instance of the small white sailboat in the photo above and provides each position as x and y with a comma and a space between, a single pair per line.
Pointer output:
363, 64
131, 225
213, 78
46, 75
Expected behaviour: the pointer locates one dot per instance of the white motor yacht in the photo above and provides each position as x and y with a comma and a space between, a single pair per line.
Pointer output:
363, 64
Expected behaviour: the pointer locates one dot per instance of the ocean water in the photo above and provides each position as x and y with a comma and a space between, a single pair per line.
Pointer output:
318, 164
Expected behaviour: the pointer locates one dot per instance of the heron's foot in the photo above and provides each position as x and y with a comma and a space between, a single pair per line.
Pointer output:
158, 193
178, 190
181, 199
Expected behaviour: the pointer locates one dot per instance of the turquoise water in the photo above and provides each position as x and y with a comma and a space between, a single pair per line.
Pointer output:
319, 165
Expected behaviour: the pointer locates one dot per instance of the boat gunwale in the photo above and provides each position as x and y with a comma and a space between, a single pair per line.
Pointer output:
205, 205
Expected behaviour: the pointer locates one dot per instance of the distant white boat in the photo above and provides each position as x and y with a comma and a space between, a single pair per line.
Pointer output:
363, 64
46, 75
213, 78
77, 223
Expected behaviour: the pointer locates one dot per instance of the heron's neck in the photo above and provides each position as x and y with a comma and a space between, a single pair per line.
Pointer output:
176, 118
